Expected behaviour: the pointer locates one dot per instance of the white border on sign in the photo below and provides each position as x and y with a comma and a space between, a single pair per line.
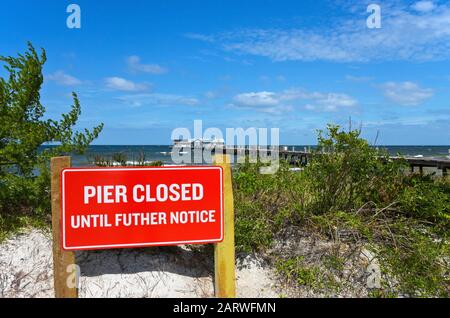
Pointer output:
139, 244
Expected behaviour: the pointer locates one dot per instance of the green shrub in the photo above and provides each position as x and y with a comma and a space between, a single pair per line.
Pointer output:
253, 230
24, 175
263, 204
295, 270
346, 172
425, 199
120, 157
419, 261
353, 189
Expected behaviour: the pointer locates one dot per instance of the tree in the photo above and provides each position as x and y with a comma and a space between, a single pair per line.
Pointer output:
23, 130
346, 172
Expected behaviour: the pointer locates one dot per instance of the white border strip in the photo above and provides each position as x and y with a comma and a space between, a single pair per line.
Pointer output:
162, 243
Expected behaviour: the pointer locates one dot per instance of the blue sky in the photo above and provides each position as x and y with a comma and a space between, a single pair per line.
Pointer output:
147, 67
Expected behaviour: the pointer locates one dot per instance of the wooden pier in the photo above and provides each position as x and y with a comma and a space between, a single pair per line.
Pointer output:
438, 163
301, 158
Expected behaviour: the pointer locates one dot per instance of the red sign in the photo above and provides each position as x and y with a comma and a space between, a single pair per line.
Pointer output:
135, 207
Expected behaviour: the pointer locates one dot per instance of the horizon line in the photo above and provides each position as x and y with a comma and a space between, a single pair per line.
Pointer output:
287, 145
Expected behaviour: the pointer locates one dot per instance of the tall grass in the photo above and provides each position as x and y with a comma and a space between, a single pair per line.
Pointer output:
350, 190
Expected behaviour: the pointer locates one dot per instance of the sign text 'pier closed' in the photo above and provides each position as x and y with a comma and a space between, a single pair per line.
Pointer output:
136, 207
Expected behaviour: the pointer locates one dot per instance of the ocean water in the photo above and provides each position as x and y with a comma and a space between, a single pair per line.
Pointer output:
162, 152
426, 151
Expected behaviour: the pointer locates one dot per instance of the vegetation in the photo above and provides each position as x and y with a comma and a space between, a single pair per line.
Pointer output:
296, 270
350, 194
121, 159
24, 170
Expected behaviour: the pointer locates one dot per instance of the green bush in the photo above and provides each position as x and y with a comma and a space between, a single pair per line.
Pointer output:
350, 187
425, 199
294, 269
24, 168
419, 261
346, 172
263, 204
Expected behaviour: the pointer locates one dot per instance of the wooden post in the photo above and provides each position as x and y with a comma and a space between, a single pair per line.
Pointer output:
61, 259
421, 170
224, 260
444, 172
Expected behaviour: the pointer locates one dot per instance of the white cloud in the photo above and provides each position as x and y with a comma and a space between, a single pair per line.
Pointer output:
121, 84
280, 109
331, 102
406, 34
431, 119
284, 101
406, 93
135, 65
423, 6
138, 100
64, 79
263, 99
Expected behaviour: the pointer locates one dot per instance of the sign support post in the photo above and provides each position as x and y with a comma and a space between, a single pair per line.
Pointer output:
66, 197
224, 258
61, 259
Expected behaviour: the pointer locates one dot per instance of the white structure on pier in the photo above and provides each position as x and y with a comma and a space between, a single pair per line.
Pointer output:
198, 143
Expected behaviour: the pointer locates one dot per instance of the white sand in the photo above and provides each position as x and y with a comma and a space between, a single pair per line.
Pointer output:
26, 270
